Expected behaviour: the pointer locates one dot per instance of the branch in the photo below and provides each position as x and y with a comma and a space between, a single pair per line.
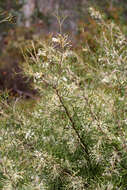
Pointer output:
83, 145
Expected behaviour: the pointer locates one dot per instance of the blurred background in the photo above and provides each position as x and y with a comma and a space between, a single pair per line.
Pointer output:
41, 16
22, 20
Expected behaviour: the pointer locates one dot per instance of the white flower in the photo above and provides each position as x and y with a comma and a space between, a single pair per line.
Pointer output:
65, 79
41, 53
105, 79
55, 40
29, 134
84, 49
37, 75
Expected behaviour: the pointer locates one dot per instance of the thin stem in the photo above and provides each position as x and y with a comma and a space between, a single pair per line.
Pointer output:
83, 145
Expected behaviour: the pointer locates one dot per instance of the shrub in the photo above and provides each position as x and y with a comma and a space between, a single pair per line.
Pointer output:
75, 136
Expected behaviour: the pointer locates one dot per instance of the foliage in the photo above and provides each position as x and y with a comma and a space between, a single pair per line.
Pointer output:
10, 15
74, 136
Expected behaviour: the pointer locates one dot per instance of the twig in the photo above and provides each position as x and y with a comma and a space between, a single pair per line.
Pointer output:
83, 145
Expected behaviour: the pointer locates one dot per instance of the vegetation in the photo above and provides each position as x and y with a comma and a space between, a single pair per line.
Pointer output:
73, 136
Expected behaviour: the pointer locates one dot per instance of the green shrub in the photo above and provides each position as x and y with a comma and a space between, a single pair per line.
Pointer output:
74, 138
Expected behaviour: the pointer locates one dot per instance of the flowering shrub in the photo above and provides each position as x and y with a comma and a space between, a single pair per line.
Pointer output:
74, 136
